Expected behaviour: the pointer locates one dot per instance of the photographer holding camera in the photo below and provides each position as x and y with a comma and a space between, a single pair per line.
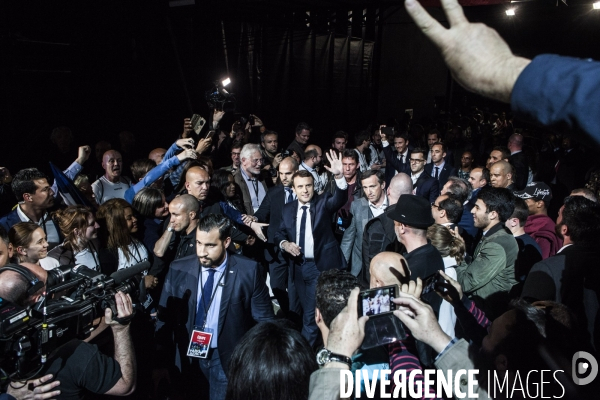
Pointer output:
79, 366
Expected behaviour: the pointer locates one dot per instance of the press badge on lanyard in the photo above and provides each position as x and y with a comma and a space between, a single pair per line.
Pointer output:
201, 335
200, 342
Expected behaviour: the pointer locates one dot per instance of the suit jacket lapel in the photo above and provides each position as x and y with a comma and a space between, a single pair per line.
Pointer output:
229, 283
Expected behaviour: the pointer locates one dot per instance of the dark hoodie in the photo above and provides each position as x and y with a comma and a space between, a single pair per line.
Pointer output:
541, 228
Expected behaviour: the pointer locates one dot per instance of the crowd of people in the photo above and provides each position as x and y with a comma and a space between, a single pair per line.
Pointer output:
255, 251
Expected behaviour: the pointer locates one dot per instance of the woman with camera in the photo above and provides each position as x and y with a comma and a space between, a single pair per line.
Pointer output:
79, 228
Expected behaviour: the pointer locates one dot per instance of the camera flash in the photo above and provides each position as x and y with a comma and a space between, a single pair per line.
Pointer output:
226, 81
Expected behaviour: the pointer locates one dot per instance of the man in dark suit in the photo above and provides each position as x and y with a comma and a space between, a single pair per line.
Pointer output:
397, 159
518, 159
439, 169
423, 184
305, 233
213, 292
270, 211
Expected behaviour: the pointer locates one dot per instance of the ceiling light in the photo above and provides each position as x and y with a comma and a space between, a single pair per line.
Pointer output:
510, 12
596, 5
226, 82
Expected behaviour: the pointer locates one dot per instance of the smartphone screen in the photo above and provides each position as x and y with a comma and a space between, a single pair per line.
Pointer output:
377, 301
430, 283
197, 123
210, 134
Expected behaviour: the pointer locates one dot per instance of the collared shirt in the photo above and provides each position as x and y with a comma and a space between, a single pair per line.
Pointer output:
378, 210
46, 224
187, 245
212, 316
319, 181
564, 247
309, 243
256, 189
515, 152
415, 177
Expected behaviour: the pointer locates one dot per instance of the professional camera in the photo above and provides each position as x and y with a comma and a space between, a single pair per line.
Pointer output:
79, 296
218, 97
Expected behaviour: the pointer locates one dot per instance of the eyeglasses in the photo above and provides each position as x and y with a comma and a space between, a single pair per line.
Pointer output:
435, 205
235, 154
257, 161
414, 160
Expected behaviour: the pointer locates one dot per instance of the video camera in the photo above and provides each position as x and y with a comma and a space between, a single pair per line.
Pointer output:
28, 335
218, 97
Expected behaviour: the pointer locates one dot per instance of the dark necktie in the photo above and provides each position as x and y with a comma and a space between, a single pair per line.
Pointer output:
437, 170
207, 292
401, 158
288, 195
302, 228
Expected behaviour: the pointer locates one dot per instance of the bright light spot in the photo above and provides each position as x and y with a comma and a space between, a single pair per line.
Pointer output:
510, 12
226, 82
596, 5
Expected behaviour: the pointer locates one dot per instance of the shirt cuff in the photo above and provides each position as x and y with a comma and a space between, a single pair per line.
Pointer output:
385, 143
341, 183
280, 243
450, 344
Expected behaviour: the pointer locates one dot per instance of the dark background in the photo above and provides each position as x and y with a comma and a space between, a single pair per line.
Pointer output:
142, 66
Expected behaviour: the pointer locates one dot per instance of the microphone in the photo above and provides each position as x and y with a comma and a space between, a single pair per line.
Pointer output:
124, 274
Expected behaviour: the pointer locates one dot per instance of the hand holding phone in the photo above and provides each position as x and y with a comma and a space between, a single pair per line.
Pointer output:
377, 301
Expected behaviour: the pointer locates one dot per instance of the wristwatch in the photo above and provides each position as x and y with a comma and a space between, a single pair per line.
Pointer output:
170, 229
325, 356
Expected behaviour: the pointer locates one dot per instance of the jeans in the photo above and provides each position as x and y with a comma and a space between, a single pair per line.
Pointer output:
212, 369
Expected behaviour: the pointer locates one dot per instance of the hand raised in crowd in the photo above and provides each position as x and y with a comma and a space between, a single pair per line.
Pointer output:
335, 162
124, 310
186, 143
187, 128
187, 154
277, 160
248, 219
203, 145
291, 248
83, 154
421, 320
413, 288
34, 389
218, 115
347, 331
257, 121
480, 60
383, 135
453, 291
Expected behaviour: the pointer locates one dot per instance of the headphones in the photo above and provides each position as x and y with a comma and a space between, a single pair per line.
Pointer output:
34, 283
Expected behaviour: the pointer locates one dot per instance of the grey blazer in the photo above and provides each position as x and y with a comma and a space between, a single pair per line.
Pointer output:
352, 240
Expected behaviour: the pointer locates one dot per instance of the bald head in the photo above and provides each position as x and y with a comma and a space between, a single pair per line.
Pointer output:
197, 182
312, 155
388, 268
14, 286
515, 142
399, 185
186, 202
157, 155
501, 174
112, 163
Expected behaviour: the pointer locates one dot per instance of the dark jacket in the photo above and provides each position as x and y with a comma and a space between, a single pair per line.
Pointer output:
446, 172
328, 254
244, 302
521, 167
393, 164
378, 236
271, 209
427, 187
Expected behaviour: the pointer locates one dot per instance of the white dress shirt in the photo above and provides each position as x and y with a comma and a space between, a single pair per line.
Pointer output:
378, 210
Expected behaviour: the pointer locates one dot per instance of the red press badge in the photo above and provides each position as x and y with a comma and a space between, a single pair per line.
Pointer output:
199, 344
